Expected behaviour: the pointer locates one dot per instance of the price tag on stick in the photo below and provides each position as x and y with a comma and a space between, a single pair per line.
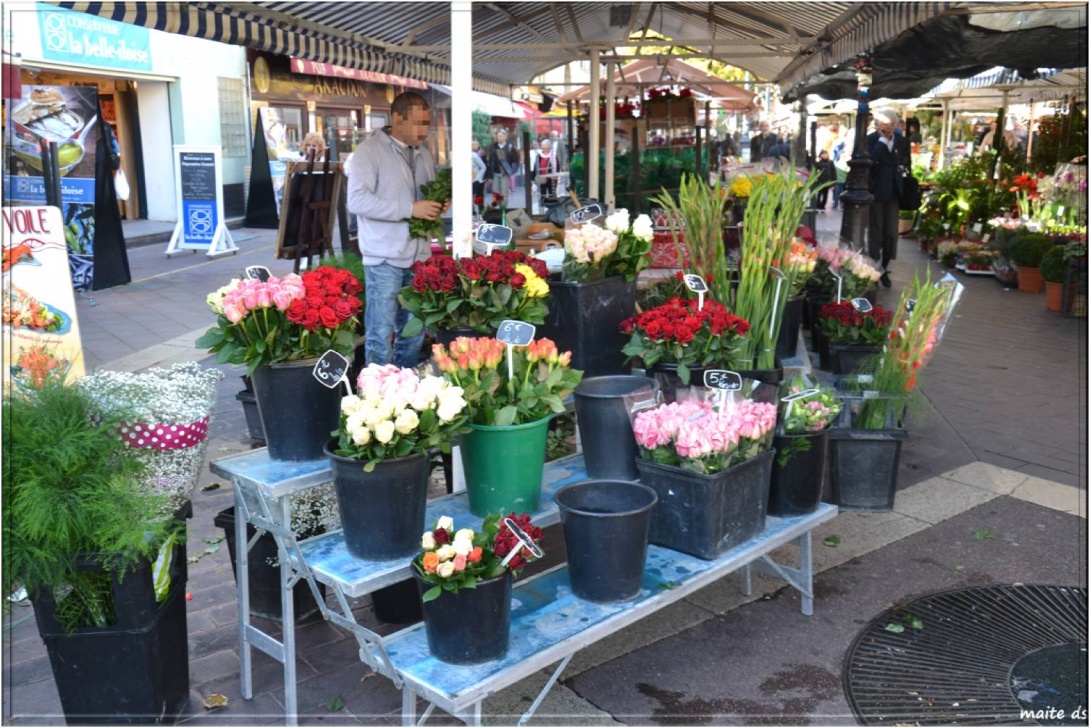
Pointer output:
790, 399
258, 273
525, 542
490, 237
586, 214
514, 333
332, 369
697, 285
725, 383
862, 305
839, 284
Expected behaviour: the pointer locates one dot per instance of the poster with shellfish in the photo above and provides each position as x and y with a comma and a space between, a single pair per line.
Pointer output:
40, 333
67, 115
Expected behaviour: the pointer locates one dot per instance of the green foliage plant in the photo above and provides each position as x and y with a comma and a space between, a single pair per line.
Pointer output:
71, 491
701, 207
1029, 249
1053, 265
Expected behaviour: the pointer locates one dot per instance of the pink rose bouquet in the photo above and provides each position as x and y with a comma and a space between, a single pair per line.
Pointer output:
586, 249
857, 271
695, 436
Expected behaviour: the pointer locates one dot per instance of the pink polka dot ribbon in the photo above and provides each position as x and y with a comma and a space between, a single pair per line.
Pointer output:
165, 437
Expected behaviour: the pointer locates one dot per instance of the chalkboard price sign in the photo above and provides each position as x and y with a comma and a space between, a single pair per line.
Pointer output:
330, 369
910, 305
800, 395
258, 273
695, 283
585, 214
524, 538
516, 333
494, 234
723, 379
862, 305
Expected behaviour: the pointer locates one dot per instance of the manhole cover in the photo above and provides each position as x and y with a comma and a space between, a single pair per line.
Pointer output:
986, 655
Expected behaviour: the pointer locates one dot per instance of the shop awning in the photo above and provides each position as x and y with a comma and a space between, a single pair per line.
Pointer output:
316, 68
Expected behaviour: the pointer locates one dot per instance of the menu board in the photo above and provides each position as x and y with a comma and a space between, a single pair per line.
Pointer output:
200, 203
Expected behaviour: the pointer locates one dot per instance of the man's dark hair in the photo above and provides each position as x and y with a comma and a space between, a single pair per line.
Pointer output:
407, 101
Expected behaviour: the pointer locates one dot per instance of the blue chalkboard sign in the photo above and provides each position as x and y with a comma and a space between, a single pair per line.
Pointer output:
516, 333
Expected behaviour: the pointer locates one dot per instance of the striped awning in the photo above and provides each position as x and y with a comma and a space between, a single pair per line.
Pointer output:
230, 24
858, 32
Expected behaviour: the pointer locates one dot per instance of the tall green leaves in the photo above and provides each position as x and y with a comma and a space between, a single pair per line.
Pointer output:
701, 207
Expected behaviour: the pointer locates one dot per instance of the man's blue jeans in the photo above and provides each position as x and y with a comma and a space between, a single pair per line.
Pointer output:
385, 318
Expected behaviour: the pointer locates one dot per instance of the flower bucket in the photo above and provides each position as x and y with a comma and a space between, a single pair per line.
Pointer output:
670, 384
706, 515
447, 336
503, 467
469, 627
788, 341
606, 525
863, 467
798, 473
382, 512
605, 430
297, 411
846, 358
584, 318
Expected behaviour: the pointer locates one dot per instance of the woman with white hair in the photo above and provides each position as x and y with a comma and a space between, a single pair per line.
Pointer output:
891, 158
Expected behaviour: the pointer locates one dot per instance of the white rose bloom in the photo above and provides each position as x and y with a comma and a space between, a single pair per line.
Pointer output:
451, 404
354, 422
350, 404
427, 542
464, 534
371, 415
462, 548
618, 221
406, 422
445, 523
361, 436
445, 569
384, 431
445, 552
643, 228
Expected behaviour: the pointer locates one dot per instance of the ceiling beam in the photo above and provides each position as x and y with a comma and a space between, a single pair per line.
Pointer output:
636, 8
574, 24
520, 22
559, 24
610, 45
433, 23
560, 60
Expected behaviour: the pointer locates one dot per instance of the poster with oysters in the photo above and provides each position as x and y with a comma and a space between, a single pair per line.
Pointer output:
67, 115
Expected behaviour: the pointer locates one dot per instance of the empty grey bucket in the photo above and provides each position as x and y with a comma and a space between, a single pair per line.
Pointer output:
606, 524
601, 408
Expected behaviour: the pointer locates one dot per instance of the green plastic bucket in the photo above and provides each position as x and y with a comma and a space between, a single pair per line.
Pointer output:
503, 467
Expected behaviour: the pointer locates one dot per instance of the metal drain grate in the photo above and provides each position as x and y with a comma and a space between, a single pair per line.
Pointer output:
948, 658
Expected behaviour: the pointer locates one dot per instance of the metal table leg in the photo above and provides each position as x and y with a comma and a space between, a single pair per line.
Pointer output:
242, 583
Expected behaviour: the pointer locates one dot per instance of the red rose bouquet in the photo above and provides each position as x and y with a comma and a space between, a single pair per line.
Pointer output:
454, 560
843, 324
476, 293
296, 317
677, 333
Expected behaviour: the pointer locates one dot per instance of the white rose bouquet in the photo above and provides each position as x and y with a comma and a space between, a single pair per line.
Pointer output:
621, 248
396, 413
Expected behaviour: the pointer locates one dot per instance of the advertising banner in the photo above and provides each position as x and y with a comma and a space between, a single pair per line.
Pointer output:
67, 115
41, 335
87, 40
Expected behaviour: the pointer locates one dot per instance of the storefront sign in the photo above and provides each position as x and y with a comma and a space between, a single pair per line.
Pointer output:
200, 202
314, 68
41, 336
74, 129
87, 40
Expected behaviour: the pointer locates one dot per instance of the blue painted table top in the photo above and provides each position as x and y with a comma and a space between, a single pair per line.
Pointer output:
273, 478
548, 622
328, 557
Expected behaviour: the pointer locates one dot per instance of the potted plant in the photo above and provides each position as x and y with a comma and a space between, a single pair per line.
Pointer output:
1074, 296
1053, 267
865, 443
279, 328
381, 456
471, 296
976, 259
678, 340
710, 467
801, 441
1027, 252
464, 578
106, 571
512, 395
598, 290
853, 334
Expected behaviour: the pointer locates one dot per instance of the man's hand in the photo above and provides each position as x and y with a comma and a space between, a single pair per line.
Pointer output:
446, 206
427, 210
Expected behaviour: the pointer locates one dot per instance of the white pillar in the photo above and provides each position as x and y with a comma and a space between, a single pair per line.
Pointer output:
1029, 131
593, 143
944, 138
461, 123
608, 144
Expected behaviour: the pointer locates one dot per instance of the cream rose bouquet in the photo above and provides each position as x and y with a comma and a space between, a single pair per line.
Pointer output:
396, 413
621, 248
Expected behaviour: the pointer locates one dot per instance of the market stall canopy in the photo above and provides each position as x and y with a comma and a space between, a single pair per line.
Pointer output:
965, 40
990, 89
513, 42
633, 77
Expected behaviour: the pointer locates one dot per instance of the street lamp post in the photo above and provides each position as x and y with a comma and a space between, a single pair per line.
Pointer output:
857, 196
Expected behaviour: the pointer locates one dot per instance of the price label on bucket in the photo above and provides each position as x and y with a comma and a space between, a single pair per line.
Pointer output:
516, 333
585, 214
258, 273
723, 379
331, 369
524, 541
862, 305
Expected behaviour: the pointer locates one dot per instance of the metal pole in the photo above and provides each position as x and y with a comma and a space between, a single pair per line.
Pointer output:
638, 130
1029, 133
944, 136
526, 165
593, 125
461, 126
857, 195
609, 145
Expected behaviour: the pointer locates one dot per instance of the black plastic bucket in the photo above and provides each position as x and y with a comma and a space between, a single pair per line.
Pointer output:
798, 473
609, 447
297, 411
585, 318
382, 512
606, 524
788, 341
863, 467
469, 627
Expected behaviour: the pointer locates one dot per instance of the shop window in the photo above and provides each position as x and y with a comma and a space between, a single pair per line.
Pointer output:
232, 98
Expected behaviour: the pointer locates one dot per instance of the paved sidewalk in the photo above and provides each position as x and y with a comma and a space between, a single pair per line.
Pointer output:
998, 447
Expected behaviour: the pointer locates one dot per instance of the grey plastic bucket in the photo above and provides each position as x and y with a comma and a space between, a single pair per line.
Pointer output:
605, 430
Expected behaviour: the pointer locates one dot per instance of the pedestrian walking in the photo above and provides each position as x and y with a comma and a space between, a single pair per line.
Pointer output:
890, 157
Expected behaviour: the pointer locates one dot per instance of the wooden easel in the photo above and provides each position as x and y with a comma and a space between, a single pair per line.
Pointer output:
306, 217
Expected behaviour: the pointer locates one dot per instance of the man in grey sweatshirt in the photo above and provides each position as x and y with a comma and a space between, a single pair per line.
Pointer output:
384, 178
